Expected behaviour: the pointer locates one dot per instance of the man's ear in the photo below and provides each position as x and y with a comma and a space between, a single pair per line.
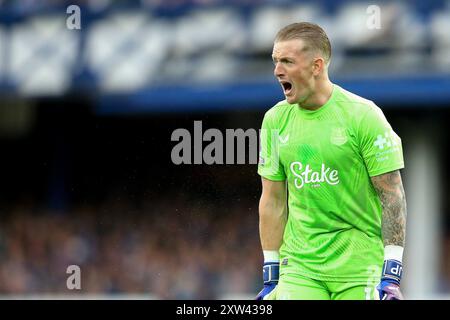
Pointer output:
318, 66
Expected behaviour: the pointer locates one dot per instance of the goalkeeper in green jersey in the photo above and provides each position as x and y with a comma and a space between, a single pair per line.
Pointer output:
332, 210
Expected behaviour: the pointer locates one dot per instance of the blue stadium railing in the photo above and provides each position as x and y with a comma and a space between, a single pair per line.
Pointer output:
432, 91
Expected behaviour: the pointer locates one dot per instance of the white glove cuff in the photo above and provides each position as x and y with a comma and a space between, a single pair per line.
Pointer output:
271, 256
393, 253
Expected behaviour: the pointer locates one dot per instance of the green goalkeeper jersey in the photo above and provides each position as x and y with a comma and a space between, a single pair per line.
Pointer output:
326, 157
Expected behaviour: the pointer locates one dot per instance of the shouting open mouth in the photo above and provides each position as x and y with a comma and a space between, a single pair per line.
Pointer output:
287, 87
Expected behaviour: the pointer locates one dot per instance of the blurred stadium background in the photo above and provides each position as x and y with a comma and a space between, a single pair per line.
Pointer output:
86, 118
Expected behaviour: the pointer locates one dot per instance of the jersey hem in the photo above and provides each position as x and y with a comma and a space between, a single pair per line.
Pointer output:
272, 178
386, 170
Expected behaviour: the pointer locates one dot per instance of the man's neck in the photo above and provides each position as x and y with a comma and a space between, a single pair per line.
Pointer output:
319, 98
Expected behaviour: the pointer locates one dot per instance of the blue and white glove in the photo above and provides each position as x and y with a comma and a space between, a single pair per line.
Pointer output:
389, 287
271, 274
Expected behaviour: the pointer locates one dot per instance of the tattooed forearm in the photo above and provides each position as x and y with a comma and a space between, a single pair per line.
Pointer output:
392, 196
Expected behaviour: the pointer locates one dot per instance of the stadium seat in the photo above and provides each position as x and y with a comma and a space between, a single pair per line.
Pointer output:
42, 54
127, 50
439, 26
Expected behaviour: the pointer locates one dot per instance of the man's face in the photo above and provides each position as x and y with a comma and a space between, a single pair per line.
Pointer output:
294, 70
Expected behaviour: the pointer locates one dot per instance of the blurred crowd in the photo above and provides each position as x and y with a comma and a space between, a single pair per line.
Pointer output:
167, 248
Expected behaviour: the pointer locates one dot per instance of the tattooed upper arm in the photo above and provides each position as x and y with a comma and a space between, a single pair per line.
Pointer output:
392, 196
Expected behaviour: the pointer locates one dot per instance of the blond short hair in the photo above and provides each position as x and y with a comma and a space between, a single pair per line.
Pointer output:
313, 35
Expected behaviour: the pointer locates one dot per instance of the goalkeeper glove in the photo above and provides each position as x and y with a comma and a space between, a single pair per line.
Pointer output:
389, 287
271, 272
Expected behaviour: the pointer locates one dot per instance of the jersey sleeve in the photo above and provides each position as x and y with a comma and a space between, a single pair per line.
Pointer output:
380, 146
269, 164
